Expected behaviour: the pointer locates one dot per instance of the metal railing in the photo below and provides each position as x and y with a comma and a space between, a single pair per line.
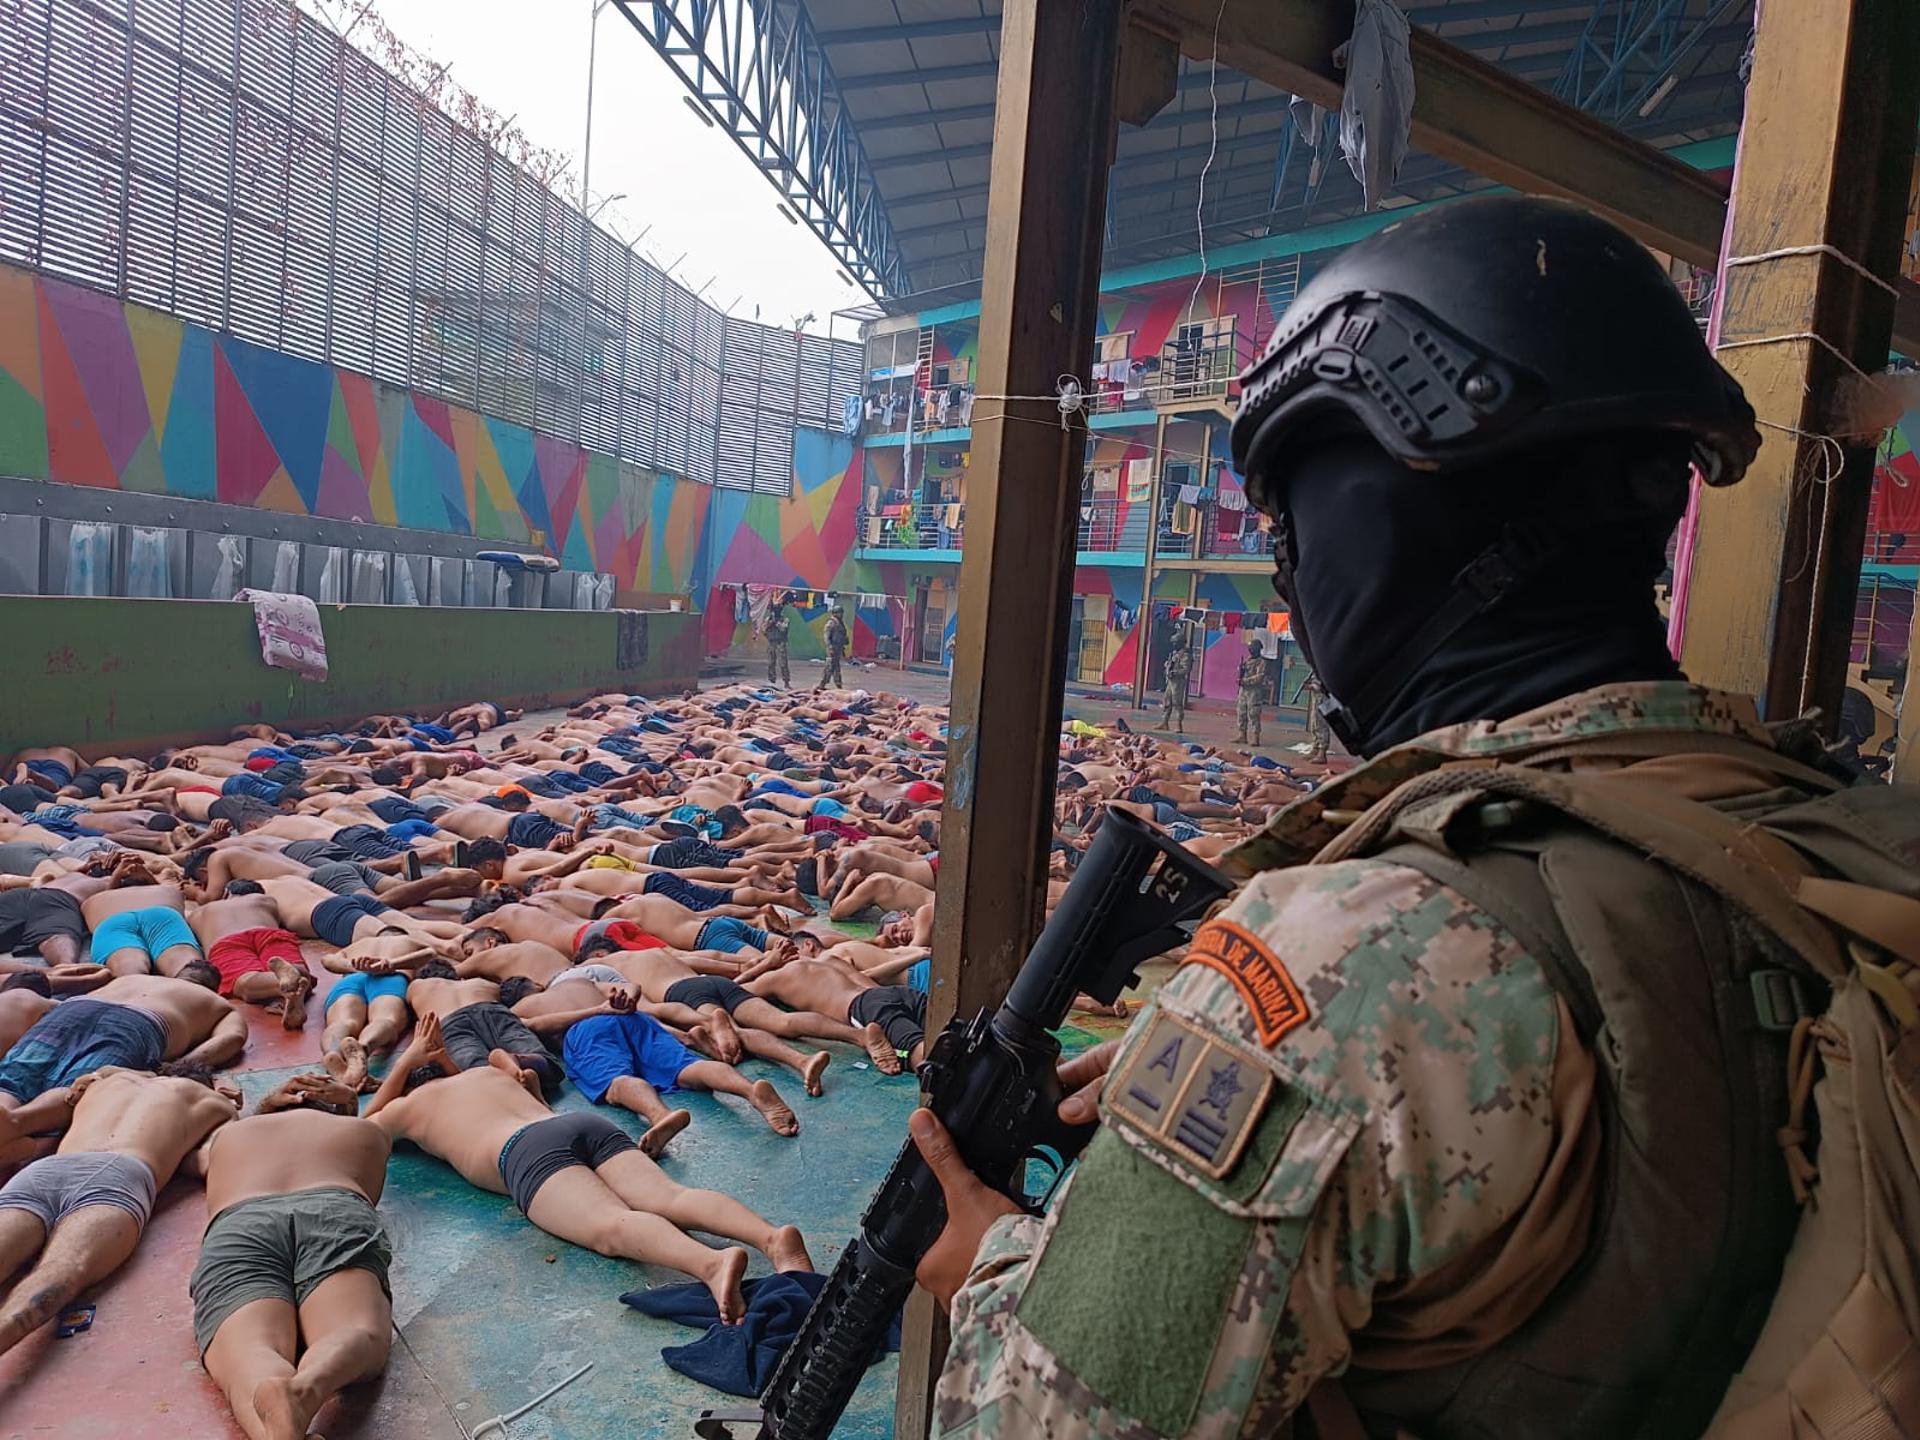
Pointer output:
1107, 526
1179, 373
1217, 534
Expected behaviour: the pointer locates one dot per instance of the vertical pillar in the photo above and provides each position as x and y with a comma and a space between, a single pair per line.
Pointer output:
1144, 627
1054, 131
1826, 159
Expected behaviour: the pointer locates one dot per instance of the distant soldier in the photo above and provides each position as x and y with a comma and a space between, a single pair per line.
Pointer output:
1318, 731
1178, 664
779, 669
1253, 686
836, 650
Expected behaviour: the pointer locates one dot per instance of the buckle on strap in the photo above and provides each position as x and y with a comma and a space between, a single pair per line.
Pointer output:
1780, 999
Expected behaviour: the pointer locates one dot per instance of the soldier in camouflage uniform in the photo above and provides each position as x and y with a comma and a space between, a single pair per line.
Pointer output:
1319, 736
779, 668
836, 638
1253, 684
1359, 1133
1179, 663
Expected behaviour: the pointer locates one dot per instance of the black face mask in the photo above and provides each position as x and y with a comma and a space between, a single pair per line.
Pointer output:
1424, 600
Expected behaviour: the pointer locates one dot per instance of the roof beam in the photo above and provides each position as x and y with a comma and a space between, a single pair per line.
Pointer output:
1475, 114
933, 75
1166, 120
924, 30
951, 116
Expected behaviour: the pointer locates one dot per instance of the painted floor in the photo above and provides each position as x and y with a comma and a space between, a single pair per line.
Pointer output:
490, 1311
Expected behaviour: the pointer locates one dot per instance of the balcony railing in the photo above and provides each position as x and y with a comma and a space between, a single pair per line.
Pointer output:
1107, 526
1217, 534
955, 413
1177, 374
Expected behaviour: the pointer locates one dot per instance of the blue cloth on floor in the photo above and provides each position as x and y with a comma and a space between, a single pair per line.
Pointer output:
738, 1359
439, 734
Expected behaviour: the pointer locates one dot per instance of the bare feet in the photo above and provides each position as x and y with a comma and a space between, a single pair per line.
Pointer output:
723, 1281
726, 1039
528, 1081
787, 1249
295, 986
663, 1130
353, 1064
810, 1072
283, 1411
767, 1101
880, 1050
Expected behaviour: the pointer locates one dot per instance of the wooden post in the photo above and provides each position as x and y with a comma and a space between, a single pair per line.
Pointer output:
1054, 132
1826, 160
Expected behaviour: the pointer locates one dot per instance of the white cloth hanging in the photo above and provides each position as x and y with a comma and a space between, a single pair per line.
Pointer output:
90, 560
1376, 107
228, 579
149, 574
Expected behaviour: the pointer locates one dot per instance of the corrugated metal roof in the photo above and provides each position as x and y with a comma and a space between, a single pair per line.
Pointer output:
917, 80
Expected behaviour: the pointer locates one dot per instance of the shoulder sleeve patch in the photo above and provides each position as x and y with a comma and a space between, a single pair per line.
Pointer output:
1190, 1095
1255, 972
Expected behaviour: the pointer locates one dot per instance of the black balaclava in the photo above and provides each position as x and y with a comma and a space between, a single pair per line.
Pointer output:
1378, 547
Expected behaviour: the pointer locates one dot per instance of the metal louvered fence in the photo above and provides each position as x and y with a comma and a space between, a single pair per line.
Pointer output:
239, 165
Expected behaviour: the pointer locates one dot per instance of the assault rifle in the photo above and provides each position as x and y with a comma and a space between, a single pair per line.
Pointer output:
993, 1082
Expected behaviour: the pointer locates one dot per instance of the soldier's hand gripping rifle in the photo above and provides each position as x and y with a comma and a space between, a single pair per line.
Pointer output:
993, 1082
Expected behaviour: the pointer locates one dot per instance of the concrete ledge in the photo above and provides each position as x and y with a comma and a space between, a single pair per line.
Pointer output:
113, 676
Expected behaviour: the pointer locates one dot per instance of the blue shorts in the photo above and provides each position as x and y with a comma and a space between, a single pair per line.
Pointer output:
439, 734
247, 783
919, 975
829, 807
603, 1048
367, 842
149, 931
774, 785
608, 817
395, 811
76, 1038
598, 772
730, 936
366, 988
685, 892
405, 832
52, 770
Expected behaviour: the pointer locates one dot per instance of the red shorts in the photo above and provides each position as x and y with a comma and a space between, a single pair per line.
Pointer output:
262, 762
827, 825
624, 933
198, 790
923, 791
251, 951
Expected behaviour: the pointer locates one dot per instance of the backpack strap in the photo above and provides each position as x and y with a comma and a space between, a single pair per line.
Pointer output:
1738, 861
1660, 745
1525, 911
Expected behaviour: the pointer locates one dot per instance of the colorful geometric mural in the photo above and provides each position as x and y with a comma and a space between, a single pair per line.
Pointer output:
94, 391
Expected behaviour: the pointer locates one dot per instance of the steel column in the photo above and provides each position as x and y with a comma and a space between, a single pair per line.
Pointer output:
1826, 160
1054, 134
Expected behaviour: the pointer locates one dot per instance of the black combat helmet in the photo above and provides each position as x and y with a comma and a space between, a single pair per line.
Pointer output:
1486, 327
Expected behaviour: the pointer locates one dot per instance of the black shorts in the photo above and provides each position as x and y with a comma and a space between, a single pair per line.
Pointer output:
473, 1032
685, 892
701, 990
335, 920
30, 917
367, 842
536, 1153
691, 852
899, 1010
240, 811
89, 780
531, 830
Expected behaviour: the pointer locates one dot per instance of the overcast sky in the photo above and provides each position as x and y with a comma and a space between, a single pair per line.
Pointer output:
702, 197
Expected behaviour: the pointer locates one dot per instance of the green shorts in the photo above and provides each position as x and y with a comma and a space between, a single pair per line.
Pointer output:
280, 1247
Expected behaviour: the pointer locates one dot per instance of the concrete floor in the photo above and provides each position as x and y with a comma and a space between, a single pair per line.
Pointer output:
489, 1310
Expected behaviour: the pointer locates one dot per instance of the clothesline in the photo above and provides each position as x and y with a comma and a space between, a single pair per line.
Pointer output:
1276, 621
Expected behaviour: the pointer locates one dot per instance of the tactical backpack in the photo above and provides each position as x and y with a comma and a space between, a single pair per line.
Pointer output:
1785, 1013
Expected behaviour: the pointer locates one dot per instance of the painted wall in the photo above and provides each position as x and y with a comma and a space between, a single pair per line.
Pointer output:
117, 676
94, 391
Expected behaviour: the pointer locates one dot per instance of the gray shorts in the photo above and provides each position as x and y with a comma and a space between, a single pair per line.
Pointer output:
345, 877
280, 1247
55, 1186
599, 974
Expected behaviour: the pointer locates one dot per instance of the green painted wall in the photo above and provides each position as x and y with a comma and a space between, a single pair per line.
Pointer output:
110, 675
